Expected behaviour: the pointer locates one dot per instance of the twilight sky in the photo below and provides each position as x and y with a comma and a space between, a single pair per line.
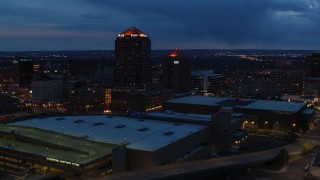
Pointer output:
187, 24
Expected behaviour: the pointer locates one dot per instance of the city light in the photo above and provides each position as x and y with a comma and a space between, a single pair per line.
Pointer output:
107, 111
78, 106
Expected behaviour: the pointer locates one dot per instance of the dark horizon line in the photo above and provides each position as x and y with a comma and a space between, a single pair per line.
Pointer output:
165, 50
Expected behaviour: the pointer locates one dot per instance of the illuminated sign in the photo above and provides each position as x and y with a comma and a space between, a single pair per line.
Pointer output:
22, 60
175, 62
25, 60
63, 162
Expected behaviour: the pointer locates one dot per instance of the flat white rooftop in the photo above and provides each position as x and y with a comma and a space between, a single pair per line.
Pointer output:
274, 105
252, 103
308, 111
199, 100
180, 115
146, 135
188, 116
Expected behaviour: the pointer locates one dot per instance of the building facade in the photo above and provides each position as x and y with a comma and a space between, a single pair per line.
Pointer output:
257, 114
23, 71
312, 86
285, 82
47, 90
148, 100
312, 75
205, 82
133, 65
96, 144
132, 74
86, 97
251, 89
132, 68
313, 65
176, 72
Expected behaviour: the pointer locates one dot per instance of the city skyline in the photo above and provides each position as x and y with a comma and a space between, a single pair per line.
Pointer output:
135, 113
93, 25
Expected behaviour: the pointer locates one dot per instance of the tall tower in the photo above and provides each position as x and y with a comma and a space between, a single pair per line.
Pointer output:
176, 72
285, 82
133, 65
311, 84
23, 71
313, 65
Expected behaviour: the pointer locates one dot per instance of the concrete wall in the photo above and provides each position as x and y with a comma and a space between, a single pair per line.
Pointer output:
138, 159
191, 108
221, 130
168, 154
119, 159
171, 152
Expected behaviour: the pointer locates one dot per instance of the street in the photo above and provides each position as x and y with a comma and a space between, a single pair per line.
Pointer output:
293, 171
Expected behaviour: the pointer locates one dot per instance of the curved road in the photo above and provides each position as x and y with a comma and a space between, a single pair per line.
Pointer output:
174, 170
294, 171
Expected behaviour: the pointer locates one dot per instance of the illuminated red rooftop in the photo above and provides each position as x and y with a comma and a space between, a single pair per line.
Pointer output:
133, 32
175, 53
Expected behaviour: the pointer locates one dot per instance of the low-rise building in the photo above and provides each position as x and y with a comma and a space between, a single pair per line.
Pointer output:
86, 97
262, 114
101, 143
205, 82
47, 90
251, 89
312, 86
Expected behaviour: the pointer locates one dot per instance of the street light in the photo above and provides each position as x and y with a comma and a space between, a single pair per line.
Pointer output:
62, 129
2, 126
88, 148
56, 139
285, 157
92, 135
82, 159
82, 163
36, 122
47, 152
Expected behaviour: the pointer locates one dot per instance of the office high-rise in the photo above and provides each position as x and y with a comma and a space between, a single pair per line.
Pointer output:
205, 82
133, 65
176, 72
45, 90
285, 82
313, 65
23, 71
132, 68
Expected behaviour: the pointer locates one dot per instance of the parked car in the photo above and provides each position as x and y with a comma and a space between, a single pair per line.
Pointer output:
9, 146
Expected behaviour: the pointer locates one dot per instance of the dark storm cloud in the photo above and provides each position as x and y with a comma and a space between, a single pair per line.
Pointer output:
281, 24
233, 22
